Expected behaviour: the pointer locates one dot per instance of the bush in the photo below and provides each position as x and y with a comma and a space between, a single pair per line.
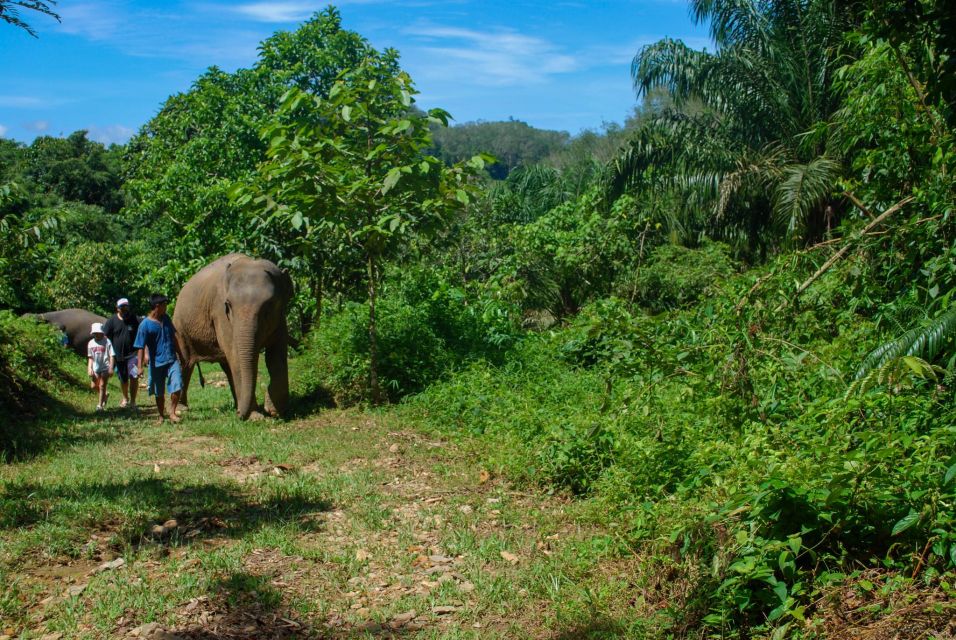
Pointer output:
426, 327
676, 277
93, 275
30, 368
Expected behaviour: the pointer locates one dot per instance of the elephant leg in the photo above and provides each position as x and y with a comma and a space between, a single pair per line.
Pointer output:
187, 374
232, 382
277, 362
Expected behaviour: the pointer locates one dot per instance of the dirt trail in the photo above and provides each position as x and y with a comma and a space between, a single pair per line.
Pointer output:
412, 538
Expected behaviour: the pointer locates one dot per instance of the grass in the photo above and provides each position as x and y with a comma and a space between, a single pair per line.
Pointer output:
338, 523
341, 524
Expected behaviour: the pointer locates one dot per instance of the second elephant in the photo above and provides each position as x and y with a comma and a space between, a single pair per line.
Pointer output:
229, 312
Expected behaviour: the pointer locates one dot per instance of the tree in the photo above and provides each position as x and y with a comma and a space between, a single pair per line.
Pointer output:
183, 162
76, 169
10, 12
755, 147
349, 174
512, 142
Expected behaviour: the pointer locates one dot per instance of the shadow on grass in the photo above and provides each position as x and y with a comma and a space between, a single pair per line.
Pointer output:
47, 421
597, 628
200, 510
311, 402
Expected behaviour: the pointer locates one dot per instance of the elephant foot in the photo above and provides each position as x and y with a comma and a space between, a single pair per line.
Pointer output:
255, 416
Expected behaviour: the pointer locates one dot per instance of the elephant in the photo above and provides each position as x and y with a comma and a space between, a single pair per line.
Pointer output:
230, 311
75, 323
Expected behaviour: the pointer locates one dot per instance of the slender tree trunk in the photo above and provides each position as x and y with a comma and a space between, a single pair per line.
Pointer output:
374, 388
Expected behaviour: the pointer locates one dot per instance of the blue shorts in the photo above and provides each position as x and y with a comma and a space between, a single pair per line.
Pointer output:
167, 378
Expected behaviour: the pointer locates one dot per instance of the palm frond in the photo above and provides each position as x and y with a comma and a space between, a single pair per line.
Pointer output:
927, 342
803, 188
893, 373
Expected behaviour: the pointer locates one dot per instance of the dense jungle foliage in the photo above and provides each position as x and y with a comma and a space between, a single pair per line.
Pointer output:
729, 324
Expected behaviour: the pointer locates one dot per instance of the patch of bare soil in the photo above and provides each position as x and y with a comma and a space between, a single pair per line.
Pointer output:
245, 469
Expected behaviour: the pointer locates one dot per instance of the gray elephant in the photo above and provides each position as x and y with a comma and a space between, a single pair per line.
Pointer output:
75, 323
228, 313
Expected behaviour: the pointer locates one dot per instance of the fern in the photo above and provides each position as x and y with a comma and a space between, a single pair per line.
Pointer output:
894, 373
926, 342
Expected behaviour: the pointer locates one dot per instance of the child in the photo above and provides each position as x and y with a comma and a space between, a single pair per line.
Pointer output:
100, 361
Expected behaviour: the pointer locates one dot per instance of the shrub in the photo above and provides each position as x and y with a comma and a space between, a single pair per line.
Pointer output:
676, 277
426, 327
93, 275
30, 368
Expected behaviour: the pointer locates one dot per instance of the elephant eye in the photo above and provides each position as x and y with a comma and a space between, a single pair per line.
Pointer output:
228, 307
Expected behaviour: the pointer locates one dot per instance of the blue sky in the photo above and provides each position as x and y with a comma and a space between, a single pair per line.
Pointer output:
110, 64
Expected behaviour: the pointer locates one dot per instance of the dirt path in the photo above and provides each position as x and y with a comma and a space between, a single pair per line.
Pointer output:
346, 525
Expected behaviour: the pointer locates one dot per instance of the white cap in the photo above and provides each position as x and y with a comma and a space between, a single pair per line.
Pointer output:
121, 302
96, 328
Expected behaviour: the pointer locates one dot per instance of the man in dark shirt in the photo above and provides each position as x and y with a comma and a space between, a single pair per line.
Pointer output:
121, 330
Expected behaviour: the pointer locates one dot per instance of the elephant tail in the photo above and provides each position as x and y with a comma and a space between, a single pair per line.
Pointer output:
202, 380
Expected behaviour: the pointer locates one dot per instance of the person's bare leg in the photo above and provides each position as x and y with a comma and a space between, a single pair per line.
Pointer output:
161, 407
173, 404
124, 387
102, 381
133, 390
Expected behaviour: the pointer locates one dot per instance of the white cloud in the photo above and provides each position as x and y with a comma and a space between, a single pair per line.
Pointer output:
498, 58
93, 20
37, 125
3, 130
24, 102
110, 134
278, 11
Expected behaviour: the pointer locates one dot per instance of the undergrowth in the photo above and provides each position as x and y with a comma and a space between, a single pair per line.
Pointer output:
32, 372
722, 440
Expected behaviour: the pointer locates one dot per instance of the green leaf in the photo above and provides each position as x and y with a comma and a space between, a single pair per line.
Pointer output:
461, 196
905, 522
950, 473
391, 179
347, 113
297, 220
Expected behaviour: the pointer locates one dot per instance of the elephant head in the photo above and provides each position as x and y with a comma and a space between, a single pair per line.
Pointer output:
254, 294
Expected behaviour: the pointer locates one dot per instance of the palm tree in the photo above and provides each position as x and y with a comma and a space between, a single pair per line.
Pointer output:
10, 12
754, 148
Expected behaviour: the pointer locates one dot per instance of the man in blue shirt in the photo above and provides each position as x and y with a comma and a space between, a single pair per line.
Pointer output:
157, 333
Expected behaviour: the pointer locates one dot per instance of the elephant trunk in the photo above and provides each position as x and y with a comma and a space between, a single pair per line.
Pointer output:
248, 360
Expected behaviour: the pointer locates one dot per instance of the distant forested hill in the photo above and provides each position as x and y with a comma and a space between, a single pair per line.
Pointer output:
513, 142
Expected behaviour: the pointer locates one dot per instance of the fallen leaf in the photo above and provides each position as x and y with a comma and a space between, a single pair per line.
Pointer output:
484, 476
510, 557
109, 566
76, 590
155, 468
362, 555
402, 619
394, 448
444, 610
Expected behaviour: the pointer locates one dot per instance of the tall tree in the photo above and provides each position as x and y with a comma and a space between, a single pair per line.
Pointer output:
756, 149
349, 174
10, 11
183, 162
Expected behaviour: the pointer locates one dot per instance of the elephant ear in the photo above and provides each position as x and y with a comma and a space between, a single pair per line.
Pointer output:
224, 283
283, 285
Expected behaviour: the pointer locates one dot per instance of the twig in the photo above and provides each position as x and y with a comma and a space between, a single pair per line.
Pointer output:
922, 558
757, 285
846, 247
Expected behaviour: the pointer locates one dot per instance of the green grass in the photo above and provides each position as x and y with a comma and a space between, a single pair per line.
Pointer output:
331, 541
